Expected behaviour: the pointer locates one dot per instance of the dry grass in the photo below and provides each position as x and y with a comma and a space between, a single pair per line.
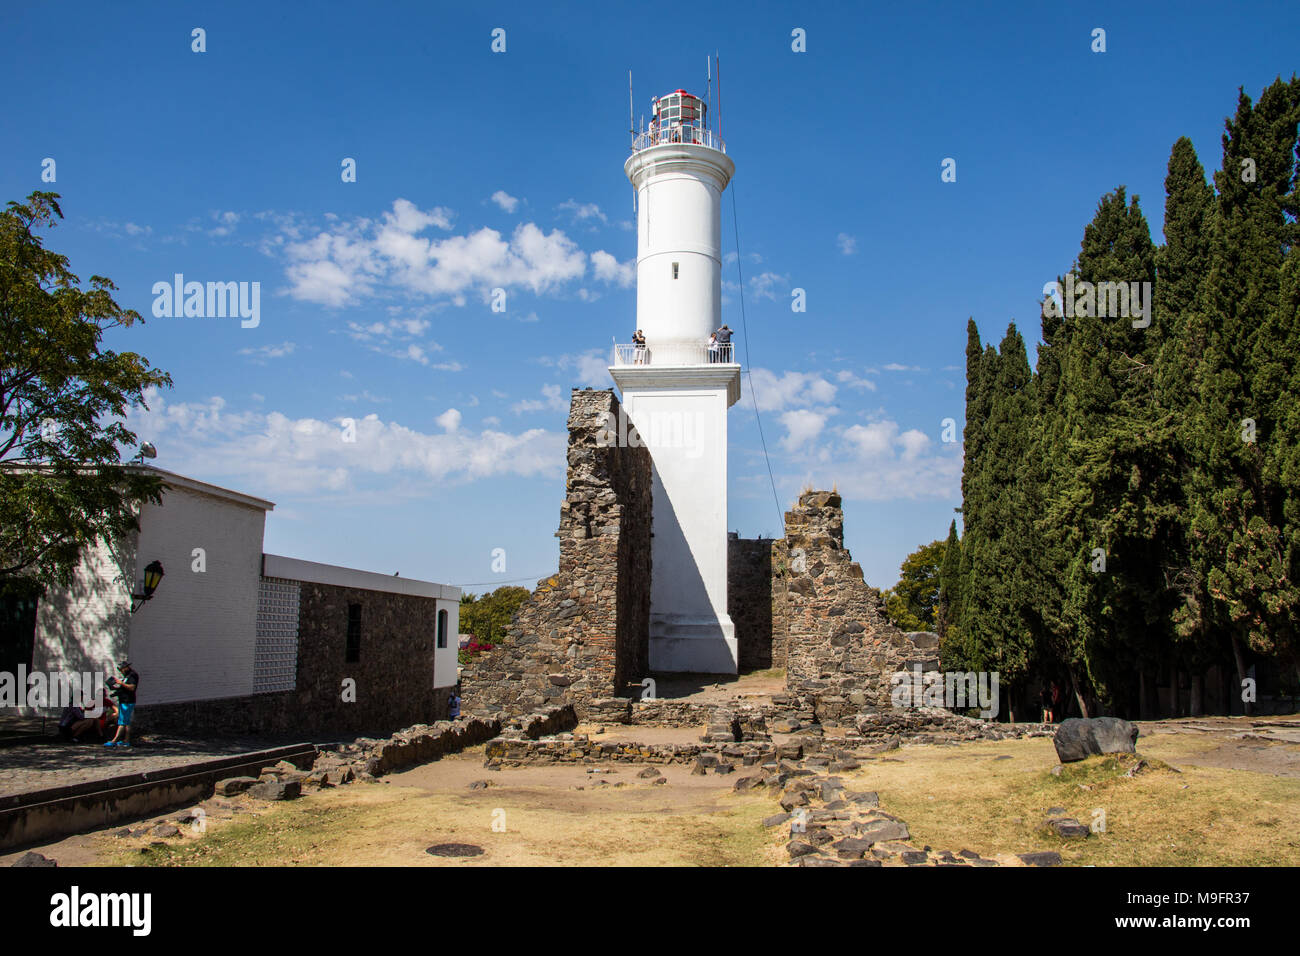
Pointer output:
952, 798
964, 798
377, 825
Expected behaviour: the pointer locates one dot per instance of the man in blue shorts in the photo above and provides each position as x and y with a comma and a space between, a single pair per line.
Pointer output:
124, 690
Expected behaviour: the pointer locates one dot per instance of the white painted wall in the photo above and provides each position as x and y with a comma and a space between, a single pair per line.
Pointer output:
197, 638
685, 429
444, 659
679, 189
84, 628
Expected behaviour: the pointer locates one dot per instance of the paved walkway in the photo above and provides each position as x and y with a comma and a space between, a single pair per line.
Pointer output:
39, 766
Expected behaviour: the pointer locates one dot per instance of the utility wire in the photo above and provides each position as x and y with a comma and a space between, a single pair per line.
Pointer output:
749, 367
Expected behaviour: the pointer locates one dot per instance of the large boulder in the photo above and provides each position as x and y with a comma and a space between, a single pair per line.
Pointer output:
1081, 737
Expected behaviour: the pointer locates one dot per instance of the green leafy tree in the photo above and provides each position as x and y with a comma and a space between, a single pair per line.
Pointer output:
488, 616
911, 604
62, 397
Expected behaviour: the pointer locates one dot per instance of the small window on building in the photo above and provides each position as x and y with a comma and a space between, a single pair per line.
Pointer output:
442, 628
354, 633
674, 270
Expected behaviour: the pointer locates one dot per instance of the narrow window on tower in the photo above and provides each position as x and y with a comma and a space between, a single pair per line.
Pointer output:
674, 270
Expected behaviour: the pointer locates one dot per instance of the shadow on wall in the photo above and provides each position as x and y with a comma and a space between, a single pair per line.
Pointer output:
86, 626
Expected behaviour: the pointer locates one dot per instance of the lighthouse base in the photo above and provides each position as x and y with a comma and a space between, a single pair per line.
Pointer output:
682, 645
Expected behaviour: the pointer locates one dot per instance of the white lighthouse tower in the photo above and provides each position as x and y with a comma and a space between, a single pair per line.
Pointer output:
676, 389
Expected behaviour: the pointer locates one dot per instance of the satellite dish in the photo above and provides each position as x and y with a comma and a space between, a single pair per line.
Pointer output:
147, 450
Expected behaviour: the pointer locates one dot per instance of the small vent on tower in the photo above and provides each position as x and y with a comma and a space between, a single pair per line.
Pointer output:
674, 270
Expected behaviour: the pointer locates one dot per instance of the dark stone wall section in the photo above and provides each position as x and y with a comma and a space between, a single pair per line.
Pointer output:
842, 648
393, 677
584, 633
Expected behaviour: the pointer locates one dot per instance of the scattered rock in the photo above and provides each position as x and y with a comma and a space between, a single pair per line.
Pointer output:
277, 790
32, 858
1043, 858
1081, 737
233, 785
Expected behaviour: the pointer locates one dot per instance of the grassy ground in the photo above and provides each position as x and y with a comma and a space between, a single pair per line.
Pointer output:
952, 798
965, 798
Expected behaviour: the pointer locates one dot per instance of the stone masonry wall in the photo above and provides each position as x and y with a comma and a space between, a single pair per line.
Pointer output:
394, 676
842, 648
584, 633
756, 601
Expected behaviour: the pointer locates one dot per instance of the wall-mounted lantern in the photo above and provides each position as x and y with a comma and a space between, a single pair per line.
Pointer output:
153, 574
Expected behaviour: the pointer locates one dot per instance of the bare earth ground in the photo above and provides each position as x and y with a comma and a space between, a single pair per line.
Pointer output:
1235, 801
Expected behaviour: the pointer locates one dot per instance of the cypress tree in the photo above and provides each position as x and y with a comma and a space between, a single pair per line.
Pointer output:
1113, 601
1236, 518
996, 633
947, 619
1181, 266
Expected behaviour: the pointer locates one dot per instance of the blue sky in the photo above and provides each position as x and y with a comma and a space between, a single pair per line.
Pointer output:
478, 170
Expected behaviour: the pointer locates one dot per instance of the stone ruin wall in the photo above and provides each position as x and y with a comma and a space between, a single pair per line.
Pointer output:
584, 633
756, 601
842, 649
799, 602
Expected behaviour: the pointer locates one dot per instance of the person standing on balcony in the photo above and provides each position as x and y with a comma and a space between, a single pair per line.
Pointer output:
722, 349
638, 340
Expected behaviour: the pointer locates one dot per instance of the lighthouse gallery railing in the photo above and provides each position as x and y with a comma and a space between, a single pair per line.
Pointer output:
674, 354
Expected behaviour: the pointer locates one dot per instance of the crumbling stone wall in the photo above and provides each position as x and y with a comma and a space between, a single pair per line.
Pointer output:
584, 633
756, 600
842, 649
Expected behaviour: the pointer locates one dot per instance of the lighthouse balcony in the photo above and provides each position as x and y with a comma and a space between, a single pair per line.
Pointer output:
677, 135
674, 353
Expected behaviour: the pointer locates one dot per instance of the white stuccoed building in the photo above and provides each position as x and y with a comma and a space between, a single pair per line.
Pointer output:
676, 391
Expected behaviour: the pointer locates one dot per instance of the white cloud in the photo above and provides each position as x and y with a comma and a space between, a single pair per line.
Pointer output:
507, 202
766, 285
792, 388
913, 442
848, 244
874, 462
802, 425
362, 258
895, 367
846, 377
552, 399
589, 368
449, 421
267, 454
609, 269
582, 212
261, 353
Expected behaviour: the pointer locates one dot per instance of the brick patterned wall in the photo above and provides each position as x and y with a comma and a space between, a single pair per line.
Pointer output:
842, 648
275, 666
584, 633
